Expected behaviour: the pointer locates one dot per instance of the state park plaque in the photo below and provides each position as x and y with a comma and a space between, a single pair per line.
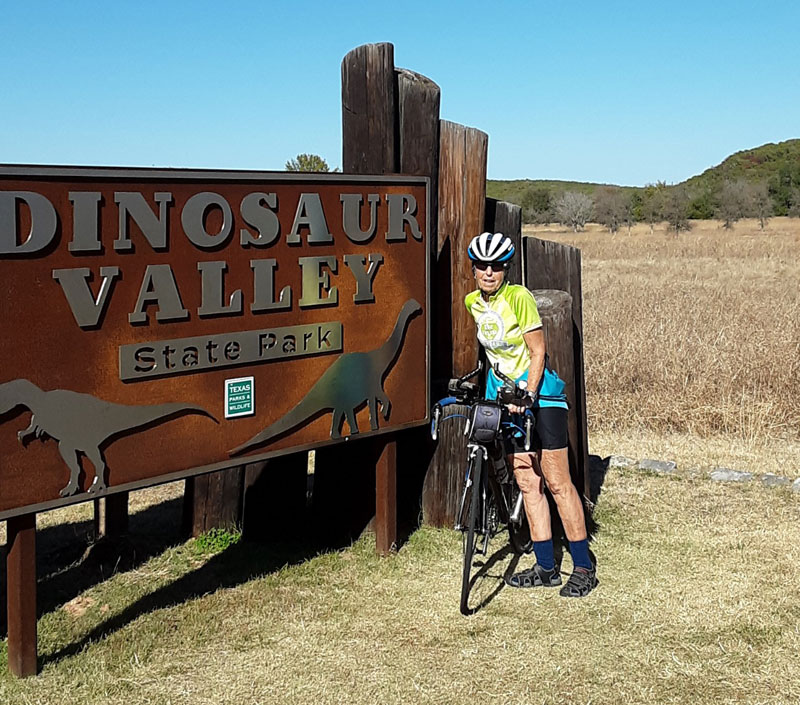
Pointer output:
156, 324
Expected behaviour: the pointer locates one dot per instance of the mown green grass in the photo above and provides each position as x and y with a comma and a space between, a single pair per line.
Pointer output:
698, 602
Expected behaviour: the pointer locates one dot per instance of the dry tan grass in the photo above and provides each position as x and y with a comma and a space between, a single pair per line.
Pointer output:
696, 334
698, 603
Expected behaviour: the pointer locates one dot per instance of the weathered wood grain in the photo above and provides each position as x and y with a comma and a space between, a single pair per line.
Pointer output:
551, 265
506, 218
369, 134
462, 202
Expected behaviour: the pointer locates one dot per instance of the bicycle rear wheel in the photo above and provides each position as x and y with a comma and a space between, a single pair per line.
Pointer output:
472, 534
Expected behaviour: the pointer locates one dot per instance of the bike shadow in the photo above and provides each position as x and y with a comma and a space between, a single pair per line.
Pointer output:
492, 577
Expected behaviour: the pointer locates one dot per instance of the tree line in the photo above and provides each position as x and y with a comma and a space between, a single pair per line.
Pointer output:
729, 200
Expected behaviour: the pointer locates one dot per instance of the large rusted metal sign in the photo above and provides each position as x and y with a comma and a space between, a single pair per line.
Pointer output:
158, 324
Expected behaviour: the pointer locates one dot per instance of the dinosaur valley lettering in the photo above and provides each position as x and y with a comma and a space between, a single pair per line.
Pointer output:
159, 289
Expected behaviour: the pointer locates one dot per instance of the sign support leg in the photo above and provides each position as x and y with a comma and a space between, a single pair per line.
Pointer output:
111, 516
386, 498
21, 589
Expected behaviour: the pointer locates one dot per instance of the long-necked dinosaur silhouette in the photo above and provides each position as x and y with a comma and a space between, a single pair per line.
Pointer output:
81, 423
354, 379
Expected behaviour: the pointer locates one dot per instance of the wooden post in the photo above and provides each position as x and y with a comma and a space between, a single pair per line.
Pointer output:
462, 212
551, 265
441, 492
418, 101
213, 501
462, 203
111, 516
506, 218
21, 595
369, 135
390, 123
386, 498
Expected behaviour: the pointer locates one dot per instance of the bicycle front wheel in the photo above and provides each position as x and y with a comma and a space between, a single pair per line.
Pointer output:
472, 534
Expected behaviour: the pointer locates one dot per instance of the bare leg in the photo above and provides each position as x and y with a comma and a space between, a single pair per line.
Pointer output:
532, 487
555, 468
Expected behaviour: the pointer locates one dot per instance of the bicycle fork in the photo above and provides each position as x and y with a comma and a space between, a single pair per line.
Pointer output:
474, 452
516, 513
477, 455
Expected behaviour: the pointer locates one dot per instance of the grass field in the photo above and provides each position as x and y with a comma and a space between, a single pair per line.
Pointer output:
692, 342
698, 603
691, 353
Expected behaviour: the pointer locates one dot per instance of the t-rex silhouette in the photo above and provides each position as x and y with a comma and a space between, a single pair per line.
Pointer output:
81, 423
354, 379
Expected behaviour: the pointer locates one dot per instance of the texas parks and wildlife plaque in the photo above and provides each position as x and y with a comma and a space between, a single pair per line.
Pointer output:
159, 323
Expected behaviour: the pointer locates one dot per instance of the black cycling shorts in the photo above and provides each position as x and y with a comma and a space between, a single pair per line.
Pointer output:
549, 433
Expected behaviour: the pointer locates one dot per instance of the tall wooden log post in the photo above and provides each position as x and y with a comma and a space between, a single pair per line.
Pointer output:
462, 208
390, 120
506, 218
21, 595
551, 265
418, 127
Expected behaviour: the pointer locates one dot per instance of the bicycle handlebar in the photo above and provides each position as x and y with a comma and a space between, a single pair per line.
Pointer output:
467, 393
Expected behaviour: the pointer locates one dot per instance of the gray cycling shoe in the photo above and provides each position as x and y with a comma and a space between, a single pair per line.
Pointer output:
536, 577
580, 583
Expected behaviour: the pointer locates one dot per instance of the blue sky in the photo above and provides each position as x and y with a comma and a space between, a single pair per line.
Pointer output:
613, 92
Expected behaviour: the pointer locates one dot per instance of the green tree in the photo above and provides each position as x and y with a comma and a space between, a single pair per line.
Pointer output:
637, 200
536, 205
760, 203
702, 206
676, 209
733, 202
308, 162
610, 206
653, 200
794, 203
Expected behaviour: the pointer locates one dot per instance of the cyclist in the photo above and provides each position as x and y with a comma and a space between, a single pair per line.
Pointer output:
510, 330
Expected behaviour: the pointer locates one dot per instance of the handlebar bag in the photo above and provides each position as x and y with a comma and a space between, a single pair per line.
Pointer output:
484, 424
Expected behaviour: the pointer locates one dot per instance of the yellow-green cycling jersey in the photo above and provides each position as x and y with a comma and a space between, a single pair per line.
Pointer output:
502, 322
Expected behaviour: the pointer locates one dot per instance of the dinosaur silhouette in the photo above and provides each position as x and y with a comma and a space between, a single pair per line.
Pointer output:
353, 379
82, 423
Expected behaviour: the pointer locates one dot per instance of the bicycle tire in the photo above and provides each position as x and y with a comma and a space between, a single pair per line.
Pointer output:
471, 536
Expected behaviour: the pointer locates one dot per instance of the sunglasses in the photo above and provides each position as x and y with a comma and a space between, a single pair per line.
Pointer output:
483, 266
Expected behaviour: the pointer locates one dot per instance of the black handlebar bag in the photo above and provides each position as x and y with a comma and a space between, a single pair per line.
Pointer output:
484, 423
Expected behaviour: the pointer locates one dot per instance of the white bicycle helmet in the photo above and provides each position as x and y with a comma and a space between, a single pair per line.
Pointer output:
494, 248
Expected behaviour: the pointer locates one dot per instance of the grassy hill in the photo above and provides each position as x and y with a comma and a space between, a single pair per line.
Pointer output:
777, 165
514, 191
764, 163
